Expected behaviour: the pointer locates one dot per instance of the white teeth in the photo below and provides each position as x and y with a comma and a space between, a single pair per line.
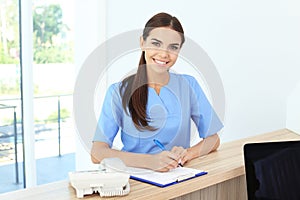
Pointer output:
160, 62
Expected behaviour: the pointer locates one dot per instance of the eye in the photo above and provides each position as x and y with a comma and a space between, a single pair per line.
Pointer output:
157, 44
174, 48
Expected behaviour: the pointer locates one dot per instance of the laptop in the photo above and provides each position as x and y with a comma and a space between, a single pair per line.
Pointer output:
273, 170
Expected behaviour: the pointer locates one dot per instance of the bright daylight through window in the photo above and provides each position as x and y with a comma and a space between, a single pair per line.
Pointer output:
53, 79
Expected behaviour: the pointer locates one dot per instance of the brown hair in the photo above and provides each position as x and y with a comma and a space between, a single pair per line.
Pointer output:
134, 89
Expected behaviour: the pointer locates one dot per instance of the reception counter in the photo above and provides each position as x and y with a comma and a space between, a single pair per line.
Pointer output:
225, 178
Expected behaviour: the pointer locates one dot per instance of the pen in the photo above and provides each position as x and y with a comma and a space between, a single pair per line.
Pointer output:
159, 144
162, 147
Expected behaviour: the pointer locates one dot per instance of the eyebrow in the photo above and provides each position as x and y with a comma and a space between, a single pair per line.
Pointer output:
162, 42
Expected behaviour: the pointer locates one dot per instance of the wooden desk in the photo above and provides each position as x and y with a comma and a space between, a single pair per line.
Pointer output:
225, 178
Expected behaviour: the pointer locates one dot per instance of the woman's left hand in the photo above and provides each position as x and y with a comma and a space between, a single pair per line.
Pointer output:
189, 155
204, 147
180, 152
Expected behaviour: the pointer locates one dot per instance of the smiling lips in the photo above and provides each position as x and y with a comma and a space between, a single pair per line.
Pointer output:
160, 62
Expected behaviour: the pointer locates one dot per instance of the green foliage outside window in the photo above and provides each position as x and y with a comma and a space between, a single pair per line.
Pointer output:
9, 34
51, 44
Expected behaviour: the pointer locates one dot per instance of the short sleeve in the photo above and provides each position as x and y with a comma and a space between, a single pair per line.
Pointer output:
202, 113
110, 117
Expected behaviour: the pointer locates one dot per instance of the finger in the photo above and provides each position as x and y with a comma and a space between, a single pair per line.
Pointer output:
167, 157
168, 160
183, 153
171, 163
172, 166
164, 169
180, 152
177, 150
185, 159
173, 156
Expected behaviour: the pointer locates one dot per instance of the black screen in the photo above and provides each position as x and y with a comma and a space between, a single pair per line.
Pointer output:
273, 170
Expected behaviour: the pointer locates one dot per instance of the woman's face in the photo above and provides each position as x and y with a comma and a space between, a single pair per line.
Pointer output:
161, 49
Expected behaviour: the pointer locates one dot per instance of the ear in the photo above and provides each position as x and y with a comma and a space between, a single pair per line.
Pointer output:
142, 43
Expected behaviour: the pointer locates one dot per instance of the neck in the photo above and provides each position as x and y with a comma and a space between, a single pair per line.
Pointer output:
158, 80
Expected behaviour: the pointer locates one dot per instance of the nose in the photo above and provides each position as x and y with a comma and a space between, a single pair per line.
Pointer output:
163, 53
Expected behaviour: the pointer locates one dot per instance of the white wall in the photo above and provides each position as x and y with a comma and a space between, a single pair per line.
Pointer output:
293, 110
89, 34
255, 46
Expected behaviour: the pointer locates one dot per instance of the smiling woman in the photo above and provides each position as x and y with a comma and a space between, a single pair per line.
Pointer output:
160, 32
155, 104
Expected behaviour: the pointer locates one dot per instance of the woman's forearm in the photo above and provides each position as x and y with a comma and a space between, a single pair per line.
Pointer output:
101, 150
204, 147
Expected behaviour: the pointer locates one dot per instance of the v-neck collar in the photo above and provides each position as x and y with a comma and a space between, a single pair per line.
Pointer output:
164, 86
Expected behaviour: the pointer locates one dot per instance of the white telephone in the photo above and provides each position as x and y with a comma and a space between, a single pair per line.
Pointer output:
109, 180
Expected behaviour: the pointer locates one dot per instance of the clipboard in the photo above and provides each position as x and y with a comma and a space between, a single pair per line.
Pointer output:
164, 179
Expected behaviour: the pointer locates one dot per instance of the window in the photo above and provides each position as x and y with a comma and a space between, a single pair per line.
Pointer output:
11, 147
53, 79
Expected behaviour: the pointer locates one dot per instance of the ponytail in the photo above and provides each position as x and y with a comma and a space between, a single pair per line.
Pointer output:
134, 92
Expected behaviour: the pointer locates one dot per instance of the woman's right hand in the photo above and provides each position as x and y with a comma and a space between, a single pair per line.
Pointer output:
164, 161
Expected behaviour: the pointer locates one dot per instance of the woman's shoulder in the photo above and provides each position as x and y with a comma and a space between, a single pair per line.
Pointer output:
121, 86
113, 88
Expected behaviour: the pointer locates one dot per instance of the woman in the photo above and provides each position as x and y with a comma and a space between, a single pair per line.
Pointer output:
155, 104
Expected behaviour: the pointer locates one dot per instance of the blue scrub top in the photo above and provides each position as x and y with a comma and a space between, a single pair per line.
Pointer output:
181, 100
